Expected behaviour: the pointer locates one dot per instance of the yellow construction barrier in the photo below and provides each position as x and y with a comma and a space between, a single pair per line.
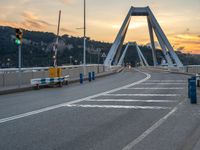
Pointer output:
55, 72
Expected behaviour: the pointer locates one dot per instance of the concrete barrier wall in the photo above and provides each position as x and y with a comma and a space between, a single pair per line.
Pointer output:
11, 78
194, 69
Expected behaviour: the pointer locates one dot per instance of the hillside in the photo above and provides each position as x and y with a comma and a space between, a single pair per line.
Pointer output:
37, 50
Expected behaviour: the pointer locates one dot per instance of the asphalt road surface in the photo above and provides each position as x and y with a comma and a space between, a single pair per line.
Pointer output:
141, 110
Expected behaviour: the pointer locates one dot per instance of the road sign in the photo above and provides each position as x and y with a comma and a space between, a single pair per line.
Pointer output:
103, 55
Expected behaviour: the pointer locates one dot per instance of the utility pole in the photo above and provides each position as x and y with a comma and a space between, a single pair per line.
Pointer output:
84, 42
57, 40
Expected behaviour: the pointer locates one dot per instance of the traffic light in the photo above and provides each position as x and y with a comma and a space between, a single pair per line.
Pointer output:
19, 34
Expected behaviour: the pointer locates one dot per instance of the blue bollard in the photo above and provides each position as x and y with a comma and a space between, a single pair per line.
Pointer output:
189, 87
193, 92
81, 78
93, 75
89, 76
193, 77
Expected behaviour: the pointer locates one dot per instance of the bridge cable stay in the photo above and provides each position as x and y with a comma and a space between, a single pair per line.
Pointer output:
143, 61
154, 27
155, 61
141, 55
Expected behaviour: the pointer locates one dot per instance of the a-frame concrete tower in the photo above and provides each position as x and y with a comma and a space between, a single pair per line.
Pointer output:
153, 25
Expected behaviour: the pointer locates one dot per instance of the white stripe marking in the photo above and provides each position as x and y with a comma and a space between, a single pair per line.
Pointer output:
159, 88
119, 106
151, 129
131, 100
3, 120
141, 95
148, 83
167, 81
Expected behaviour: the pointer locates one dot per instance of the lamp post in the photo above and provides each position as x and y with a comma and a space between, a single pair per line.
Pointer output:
70, 59
84, 42
98, 51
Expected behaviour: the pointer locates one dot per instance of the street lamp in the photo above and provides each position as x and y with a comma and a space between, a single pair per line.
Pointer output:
76, 61
84, 38
70, 59
98, 52
84, 43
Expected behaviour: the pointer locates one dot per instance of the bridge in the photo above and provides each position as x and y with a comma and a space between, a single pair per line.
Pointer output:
142, 108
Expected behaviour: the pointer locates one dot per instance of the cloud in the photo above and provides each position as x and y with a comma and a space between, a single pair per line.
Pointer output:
65, 1
186, 42
31, 21
29, 15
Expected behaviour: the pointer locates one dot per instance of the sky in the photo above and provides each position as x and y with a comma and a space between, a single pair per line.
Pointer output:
180, 19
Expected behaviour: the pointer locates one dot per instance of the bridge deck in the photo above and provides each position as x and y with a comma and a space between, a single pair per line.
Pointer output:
129, 110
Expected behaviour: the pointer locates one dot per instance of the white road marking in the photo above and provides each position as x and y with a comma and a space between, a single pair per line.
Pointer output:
158, 88
151, 129
168, 81
131, 100
148, 83
164, 95
119, 107
3, 120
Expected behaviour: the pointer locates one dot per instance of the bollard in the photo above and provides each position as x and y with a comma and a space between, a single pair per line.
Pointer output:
198, 83
93, 75
89, 76
189, 87
81, 78
193, 92
194, 78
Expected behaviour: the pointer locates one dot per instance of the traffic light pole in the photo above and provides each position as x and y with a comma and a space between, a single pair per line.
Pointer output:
19, 64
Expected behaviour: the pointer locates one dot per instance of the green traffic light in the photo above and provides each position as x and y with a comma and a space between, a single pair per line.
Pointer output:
17, 41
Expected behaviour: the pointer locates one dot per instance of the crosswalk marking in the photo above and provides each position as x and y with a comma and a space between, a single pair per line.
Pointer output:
157, 88
167, 81
120, 107
154, 83
141, 95
131, 100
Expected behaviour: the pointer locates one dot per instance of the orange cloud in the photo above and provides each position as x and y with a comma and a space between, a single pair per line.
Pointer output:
190, 42
34, 22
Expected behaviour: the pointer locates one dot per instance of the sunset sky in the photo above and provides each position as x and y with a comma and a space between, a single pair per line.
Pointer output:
180, 19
